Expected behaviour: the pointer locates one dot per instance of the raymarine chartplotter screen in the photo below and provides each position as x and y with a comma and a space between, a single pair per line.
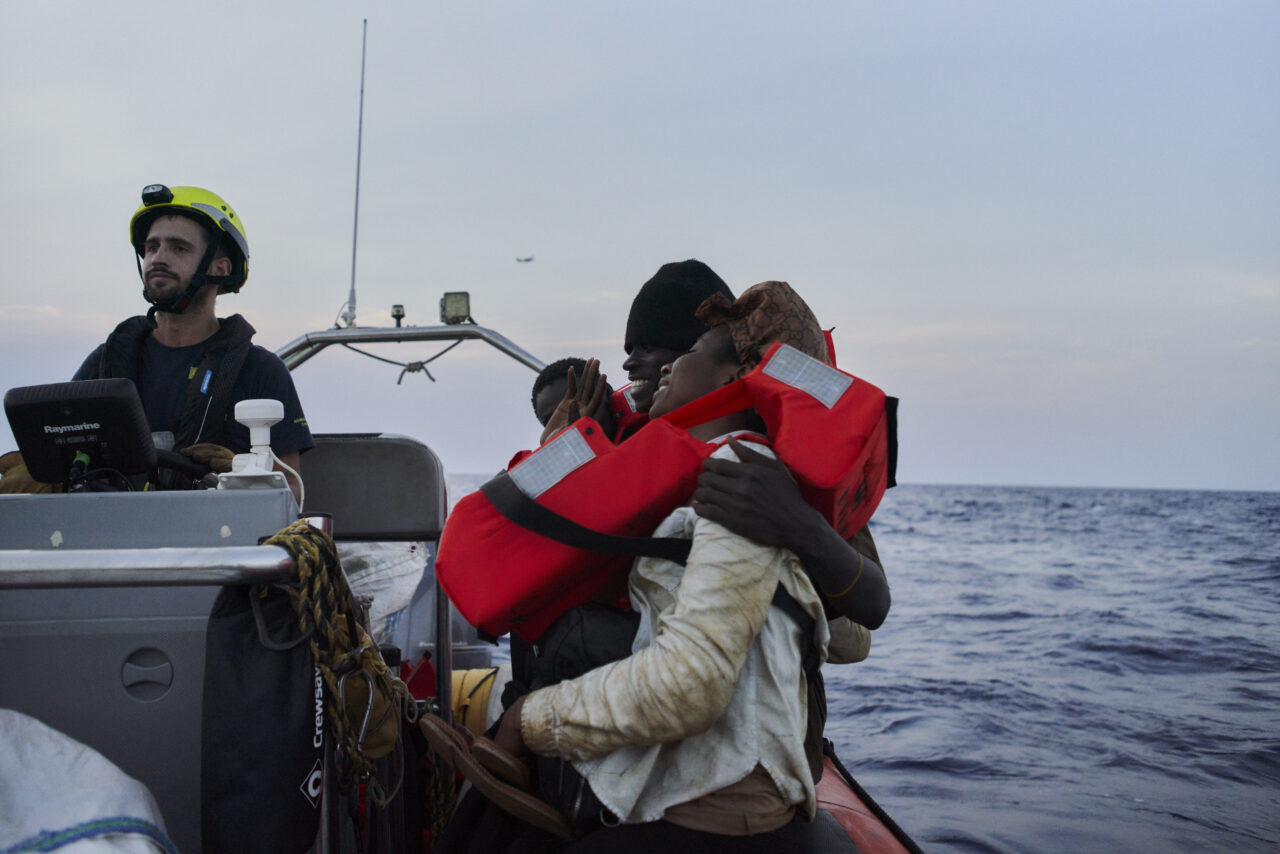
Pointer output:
100, 419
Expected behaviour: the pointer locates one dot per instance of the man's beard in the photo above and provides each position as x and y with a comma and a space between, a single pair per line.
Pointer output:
163, 287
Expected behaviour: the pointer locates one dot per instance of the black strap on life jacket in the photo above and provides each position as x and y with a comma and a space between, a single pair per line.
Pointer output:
208, 399
891, 417
121, 355
516, 507
522, 510
809, 658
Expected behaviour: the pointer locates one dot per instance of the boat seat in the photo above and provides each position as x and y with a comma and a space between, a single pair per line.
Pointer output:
378, 487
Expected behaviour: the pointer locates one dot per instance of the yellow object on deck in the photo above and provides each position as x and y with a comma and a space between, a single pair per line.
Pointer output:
16, 480
471, 690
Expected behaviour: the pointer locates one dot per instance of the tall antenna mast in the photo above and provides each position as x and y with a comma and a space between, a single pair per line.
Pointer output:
349, 313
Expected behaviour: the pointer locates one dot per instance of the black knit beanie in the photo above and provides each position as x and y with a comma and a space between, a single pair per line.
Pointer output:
663, 313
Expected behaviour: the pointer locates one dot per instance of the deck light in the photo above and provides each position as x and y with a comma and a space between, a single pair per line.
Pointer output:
397, 314
455, 307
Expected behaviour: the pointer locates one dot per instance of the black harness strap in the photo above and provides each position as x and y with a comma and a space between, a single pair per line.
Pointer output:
519, 508
891, 411
121, 354
787, 603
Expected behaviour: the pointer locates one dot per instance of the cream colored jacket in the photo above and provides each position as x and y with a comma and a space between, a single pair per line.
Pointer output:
713, 687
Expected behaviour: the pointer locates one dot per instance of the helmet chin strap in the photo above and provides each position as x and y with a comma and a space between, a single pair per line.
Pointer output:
179, 302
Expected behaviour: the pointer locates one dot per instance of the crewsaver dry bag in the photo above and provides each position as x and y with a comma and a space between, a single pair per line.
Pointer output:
553, 531
262, 740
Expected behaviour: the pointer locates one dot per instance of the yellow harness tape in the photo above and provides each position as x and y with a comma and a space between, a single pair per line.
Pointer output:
471, 691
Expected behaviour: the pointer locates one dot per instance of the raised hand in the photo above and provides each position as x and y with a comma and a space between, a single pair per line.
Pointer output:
581, 397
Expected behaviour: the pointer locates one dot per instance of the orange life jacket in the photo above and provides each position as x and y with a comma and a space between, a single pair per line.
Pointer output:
550, 533
502, 576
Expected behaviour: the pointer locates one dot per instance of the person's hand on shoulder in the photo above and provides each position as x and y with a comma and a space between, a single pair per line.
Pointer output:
756, 498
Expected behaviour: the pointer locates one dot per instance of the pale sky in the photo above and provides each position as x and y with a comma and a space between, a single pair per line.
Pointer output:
1053, 230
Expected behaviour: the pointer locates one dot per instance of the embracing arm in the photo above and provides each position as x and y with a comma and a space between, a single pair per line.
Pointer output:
758, 498
682, 683
847, 575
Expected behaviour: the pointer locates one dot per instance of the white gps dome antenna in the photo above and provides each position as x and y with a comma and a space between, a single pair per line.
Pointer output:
259, 416
255, 470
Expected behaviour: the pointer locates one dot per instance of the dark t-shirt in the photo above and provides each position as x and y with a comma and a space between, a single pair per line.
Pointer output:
162, 384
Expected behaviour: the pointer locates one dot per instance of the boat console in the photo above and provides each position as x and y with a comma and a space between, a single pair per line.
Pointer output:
105, 595
104, 600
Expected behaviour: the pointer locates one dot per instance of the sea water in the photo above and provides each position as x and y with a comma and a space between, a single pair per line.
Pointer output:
1072, 670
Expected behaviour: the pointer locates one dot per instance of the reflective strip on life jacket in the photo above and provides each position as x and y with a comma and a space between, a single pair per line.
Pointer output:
825, 384
552, 463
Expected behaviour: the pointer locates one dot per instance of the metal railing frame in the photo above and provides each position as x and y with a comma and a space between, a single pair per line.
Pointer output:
302, 348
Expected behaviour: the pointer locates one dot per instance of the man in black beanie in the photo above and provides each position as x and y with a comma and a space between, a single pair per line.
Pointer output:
662, 325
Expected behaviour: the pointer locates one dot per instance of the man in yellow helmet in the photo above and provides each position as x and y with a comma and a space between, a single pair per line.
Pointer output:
190, 366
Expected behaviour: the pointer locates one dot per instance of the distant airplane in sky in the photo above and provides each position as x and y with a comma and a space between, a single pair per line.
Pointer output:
524, 260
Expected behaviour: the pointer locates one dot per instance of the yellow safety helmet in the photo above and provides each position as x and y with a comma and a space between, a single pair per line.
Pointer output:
211, 211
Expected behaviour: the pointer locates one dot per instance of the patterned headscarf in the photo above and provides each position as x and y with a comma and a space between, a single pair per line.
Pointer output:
763, 314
